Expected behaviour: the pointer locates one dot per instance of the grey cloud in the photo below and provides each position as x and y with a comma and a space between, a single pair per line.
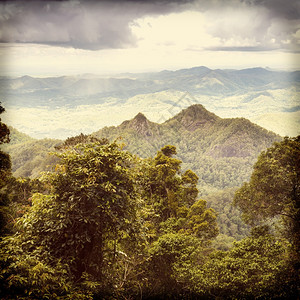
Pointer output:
264, 27
94, 25
64, 23
79, 24
287, 9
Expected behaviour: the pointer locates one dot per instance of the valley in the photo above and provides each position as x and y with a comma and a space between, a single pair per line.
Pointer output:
59, 107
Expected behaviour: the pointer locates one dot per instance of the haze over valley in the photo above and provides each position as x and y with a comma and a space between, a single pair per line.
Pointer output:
59, 107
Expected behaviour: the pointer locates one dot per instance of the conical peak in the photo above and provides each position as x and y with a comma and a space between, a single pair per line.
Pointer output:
197, 112
140, 118
195, 116
140, 124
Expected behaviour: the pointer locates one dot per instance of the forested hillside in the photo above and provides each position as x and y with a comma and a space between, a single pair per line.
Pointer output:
30, 156
220, 151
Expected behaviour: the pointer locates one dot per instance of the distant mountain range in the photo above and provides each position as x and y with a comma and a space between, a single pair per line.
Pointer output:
69, 105
88, 89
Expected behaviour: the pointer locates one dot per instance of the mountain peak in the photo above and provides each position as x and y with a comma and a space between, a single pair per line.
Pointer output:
140, 124
194, 116
140, 118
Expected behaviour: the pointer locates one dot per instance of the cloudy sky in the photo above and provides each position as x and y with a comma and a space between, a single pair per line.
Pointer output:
42, 38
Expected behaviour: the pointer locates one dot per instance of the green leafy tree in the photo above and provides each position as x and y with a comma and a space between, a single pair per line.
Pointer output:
178, 226
171, 259
274, 189
107, 224
80, 139
189, 184
201, 221
5, 174
83, 224
4, 130
19, 192
171, 198
229, 217
255, 268
165, 182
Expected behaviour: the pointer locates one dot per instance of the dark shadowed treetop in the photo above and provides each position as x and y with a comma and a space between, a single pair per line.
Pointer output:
4, 130
169, 150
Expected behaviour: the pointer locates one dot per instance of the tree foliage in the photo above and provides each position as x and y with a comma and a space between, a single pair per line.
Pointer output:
178, 226
171, 258
5, 174
105, 224
170, 196
85, 220
254, 268
274, 188
228, 216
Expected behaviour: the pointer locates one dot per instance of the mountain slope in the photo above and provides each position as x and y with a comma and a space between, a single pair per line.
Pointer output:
82, 90
220, 151
29, 156
17, 137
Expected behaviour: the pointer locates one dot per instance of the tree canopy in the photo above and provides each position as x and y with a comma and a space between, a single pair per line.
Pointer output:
274, 188
5, 173
105, 224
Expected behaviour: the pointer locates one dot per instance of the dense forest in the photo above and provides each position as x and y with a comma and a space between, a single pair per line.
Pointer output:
106, 222
220, 151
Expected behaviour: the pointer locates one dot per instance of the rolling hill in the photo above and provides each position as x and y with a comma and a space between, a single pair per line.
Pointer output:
29, 91
29, 156
59, 107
